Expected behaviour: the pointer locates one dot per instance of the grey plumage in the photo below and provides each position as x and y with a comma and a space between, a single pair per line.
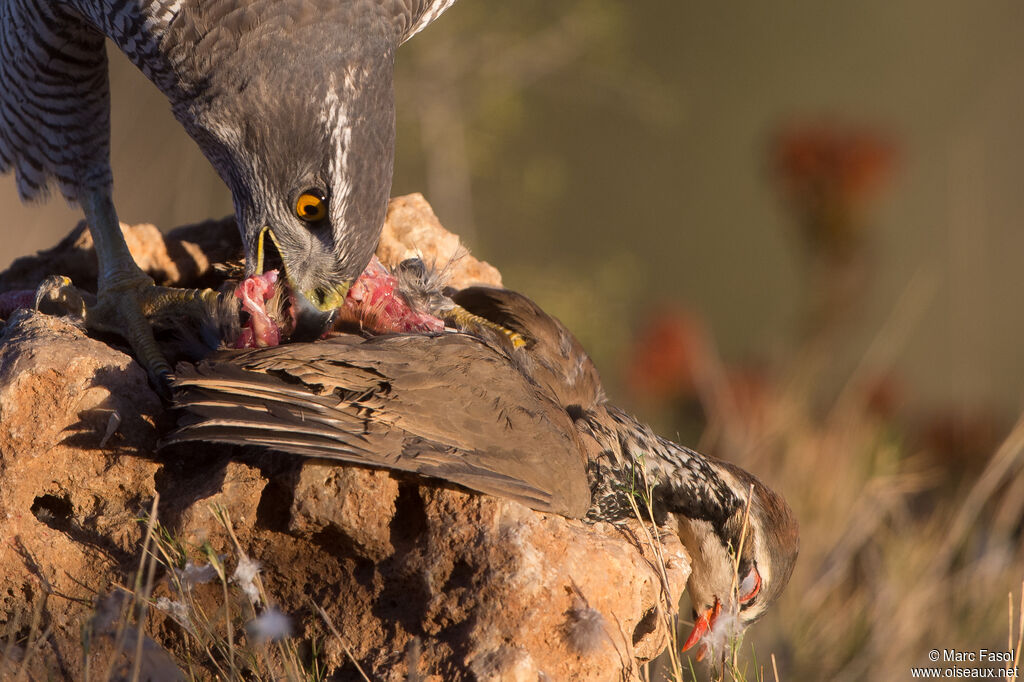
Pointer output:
281, 95
54, 105
532, 424
286, 98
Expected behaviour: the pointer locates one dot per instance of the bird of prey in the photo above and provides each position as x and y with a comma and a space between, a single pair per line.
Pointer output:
527, 421
290, 100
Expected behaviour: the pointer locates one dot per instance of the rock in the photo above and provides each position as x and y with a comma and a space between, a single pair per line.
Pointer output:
413, 577
412, 228
77, 441
357, 505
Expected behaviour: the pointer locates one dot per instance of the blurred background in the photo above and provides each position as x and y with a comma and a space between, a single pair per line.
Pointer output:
790, 236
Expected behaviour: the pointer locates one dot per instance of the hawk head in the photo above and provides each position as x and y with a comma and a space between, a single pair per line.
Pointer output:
292, 102
304, 138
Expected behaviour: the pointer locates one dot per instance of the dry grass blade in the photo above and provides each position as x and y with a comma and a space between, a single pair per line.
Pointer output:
670, 616
286, 650
12, 627
743, 538
34, 639
892, 337
148, 557
341, 640
1020, 629
1007, 459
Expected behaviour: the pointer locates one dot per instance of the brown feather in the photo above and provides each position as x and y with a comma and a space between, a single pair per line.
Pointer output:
446, 407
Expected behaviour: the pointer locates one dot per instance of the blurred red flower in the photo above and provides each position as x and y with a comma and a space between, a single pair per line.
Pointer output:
665, 355
852, 162
884, 395
961, 439
828, 172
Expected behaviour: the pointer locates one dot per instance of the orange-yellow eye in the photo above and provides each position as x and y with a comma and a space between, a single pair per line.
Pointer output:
311, 206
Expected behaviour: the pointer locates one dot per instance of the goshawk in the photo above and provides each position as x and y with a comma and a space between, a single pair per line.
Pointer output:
290, 100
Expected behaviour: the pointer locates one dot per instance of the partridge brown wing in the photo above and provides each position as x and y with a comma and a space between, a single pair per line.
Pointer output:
553, 358
449, 407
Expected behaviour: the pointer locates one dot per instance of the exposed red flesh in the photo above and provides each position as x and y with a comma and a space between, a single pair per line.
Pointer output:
373, 301
259, 330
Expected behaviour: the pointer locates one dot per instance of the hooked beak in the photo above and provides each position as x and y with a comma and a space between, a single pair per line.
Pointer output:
704, 623
324, 299
310, 322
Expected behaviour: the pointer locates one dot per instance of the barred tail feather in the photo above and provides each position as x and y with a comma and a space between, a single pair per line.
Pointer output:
54, 103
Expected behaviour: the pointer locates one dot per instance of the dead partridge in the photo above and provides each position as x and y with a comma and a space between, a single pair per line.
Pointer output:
508, 405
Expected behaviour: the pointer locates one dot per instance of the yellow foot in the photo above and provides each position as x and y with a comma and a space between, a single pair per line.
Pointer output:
125, 307
462, 319
422, 287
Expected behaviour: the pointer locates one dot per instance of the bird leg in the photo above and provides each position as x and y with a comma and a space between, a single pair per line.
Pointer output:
460, 318
126, 296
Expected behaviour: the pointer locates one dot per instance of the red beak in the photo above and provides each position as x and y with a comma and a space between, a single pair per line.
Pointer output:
704, 623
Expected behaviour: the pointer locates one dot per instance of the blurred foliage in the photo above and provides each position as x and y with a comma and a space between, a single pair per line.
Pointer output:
472, 102
912, 520
471, 94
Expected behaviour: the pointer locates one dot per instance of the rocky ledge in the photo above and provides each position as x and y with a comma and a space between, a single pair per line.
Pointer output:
376, 575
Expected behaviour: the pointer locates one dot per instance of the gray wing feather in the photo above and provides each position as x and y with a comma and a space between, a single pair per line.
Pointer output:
409, 17
54, 97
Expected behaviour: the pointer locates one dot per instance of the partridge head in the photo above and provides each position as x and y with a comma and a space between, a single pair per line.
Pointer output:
742, 554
